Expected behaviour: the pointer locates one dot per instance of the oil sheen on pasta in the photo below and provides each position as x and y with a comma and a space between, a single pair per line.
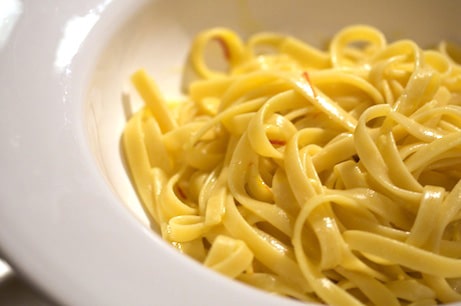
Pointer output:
326, 176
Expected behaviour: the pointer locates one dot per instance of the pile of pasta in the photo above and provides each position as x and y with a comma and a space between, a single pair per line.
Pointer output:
324, 176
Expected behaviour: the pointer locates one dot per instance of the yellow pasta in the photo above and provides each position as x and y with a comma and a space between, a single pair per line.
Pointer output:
325, 176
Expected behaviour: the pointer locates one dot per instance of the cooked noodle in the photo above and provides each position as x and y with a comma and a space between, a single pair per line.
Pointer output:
331, 177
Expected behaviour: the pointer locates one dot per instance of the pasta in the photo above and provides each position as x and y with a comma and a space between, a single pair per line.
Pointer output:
325, 176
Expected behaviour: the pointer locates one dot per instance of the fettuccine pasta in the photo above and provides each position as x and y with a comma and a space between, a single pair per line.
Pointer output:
325, 176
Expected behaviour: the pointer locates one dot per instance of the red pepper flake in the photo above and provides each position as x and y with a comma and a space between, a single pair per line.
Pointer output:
180, 192
277, 143
224, 47
308, 80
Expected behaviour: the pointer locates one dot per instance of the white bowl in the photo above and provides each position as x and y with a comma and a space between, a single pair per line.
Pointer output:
69, 219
